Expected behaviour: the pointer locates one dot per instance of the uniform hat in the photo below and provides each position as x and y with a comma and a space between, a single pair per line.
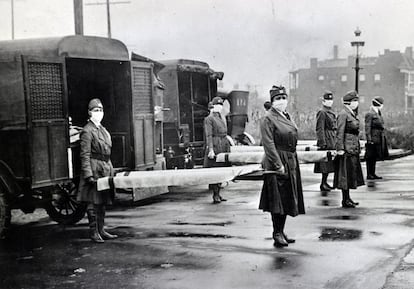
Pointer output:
277, 90
96, 102
377, 101
217, 100
328, 95
351, 95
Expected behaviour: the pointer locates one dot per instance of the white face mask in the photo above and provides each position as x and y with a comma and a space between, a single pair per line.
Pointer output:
354, 104
217, 108
280, 104
97, 116
327, 102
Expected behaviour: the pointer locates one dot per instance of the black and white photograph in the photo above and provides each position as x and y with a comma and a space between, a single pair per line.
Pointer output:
216, 144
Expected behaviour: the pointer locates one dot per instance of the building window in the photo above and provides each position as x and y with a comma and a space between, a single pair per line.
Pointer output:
410, 81
377, 77
294, 80
297, 80
362, 77
321, 77
409, 101
344, 78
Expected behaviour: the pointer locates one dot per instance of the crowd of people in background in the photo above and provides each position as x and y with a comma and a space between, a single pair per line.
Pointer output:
282, 193
282, 189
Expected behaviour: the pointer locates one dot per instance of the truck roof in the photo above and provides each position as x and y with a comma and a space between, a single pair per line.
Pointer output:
187, 65
176, 62
75, 46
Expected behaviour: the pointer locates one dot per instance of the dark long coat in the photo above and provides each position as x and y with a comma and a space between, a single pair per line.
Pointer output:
215, 132
376, 147
281, 194
95, 150
326, 137
348, 171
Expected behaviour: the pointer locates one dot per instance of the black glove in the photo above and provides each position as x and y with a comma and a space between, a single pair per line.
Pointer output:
90, 180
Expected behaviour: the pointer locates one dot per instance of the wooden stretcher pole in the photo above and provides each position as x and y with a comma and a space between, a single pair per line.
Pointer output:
256, 157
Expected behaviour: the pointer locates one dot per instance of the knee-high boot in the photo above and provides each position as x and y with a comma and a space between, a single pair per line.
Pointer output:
324, 183
215, 188
101, 223
370, 172
346, 200
93, 226
374, 163
278, 224
218, 192
282, 227
371, 166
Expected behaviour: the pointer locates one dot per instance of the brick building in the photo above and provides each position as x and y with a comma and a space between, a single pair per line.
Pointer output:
389, 75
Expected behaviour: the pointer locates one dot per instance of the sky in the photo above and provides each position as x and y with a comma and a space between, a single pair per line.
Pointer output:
254, 42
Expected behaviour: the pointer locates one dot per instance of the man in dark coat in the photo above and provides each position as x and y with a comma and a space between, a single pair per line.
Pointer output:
348, 171
95, 152
376, 146
326, 138
215, 131
282, 186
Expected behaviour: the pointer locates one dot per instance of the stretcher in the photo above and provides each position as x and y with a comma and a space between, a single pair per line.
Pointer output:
255, 157
181, 177
299, 147
249, 156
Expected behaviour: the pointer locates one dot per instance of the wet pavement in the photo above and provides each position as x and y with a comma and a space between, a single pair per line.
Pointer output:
180, 240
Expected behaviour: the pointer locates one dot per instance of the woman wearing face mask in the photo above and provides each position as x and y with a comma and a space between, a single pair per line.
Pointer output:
348, 171
215, 131
376, 146
326, 138
282, 186
95, 151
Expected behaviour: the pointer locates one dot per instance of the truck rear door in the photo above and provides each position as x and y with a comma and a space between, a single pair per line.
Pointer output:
143, 113
47, 121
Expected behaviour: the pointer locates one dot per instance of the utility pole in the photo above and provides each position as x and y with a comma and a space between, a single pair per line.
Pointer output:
108, 12
12, 19
108, 18
78, 11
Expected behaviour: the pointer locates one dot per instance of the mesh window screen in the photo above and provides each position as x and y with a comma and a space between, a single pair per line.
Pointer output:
46, 90
142, 90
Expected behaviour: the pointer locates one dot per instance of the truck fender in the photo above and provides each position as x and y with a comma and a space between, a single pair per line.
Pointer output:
250, 137
8, 183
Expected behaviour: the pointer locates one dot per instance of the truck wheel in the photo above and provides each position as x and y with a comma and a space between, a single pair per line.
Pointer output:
63, 207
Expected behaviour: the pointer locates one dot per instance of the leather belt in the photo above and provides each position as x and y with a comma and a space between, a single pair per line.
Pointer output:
100, 157
286, 149
354, 132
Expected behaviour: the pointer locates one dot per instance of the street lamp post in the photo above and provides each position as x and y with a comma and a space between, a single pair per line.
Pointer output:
357, 42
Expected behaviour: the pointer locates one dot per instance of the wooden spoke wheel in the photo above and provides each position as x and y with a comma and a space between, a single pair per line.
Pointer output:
63, 207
